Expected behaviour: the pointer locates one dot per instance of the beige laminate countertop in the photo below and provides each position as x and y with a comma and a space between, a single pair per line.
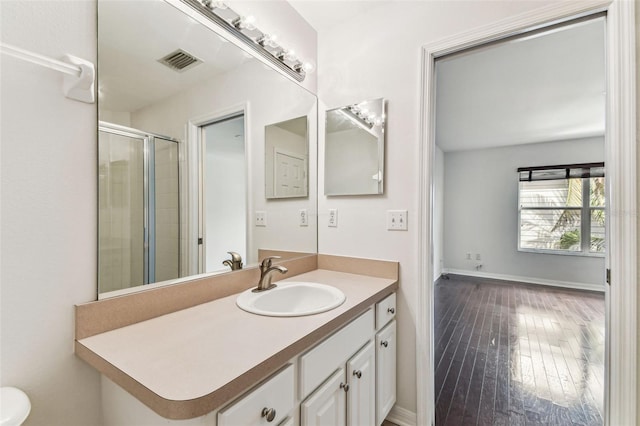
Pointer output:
190, 362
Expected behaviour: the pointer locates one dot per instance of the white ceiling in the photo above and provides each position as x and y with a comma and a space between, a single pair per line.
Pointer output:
324, 14
540, 88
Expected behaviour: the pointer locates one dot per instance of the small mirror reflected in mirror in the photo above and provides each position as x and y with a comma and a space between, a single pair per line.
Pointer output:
354, 149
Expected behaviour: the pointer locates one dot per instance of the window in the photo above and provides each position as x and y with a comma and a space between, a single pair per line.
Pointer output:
562, 209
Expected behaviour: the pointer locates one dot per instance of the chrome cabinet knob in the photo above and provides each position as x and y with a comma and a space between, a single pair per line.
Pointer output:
344, 386
391, 310
357, 373
269, 413
384, 343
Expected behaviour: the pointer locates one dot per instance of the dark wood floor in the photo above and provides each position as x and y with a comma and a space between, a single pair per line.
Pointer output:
515, 354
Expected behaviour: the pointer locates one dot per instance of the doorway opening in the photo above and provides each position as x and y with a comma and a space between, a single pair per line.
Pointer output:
522, 202
621, 262
222, 192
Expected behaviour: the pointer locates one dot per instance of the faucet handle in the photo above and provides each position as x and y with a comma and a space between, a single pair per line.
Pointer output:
235, 257
266, 262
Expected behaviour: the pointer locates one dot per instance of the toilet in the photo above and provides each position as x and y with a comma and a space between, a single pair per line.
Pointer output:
14, 406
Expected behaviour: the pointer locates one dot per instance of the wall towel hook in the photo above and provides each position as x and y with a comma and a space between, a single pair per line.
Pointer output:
80, 74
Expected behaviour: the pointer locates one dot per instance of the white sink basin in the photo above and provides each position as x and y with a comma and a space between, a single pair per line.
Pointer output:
291, 299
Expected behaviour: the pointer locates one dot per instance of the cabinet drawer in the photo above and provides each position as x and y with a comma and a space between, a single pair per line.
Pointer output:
274, 394
385, 311
318, 364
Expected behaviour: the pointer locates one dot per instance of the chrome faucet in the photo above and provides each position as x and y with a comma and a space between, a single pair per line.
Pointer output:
235, 262
266, 270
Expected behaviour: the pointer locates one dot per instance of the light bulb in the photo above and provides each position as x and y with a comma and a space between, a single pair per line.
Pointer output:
308, 67
290, 55
249, 22
245, 23
218, 4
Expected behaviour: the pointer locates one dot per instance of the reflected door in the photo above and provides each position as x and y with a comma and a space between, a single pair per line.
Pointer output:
290, 174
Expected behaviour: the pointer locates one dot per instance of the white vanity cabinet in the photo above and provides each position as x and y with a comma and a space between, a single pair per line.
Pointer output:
385, 371
347, 397
361, 377
269, 403
327, 405
347, 379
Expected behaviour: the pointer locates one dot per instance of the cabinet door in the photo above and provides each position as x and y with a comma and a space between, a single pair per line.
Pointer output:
327, 405
361, 398
269, 403
385, 371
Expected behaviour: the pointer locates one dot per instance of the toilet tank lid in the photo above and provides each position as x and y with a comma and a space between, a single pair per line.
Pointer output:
15, 406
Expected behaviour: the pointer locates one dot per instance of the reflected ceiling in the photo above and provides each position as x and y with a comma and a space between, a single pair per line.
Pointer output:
130, 74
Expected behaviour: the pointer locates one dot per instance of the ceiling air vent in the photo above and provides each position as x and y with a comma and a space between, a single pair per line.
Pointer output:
180, 60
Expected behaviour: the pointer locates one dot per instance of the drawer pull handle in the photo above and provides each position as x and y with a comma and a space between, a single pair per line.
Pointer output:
391, 311
269, 413
344, 386
384, 343
357, 373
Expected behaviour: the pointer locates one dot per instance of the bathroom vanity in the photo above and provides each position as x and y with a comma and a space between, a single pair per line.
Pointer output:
213, 363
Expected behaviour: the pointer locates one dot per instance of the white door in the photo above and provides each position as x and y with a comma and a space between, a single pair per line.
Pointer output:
385, 371
361, 398
290, 174
327, 405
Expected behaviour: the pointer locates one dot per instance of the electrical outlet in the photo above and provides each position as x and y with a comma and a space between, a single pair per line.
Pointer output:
468, 256
333, 218
261, 218
397, 220
478, 257
303, 217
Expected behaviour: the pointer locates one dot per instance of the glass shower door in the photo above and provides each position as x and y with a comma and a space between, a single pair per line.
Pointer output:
138, 208
166, 222
121, 212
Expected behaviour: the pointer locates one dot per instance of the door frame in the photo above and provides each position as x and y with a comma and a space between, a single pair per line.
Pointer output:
620, 157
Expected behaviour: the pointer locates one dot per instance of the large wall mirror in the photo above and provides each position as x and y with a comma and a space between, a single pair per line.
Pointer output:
354, 149
185, 124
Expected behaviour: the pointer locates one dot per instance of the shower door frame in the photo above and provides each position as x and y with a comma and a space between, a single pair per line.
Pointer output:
149, 222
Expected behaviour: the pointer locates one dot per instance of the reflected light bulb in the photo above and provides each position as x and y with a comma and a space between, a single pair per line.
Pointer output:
249, 22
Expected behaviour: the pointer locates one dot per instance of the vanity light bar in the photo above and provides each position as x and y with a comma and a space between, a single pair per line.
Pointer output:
245, 30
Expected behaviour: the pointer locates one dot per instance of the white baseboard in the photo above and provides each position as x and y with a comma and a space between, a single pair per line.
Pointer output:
402, 417
529, 280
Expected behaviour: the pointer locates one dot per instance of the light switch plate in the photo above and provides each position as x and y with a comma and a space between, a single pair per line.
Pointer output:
261, 218
303, 217
397, 220
333, 218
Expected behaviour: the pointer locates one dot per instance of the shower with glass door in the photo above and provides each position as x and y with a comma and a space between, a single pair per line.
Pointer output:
138, 208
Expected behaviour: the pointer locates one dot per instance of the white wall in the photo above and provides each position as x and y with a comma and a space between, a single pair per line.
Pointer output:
49, 218
481, 212
377, 54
